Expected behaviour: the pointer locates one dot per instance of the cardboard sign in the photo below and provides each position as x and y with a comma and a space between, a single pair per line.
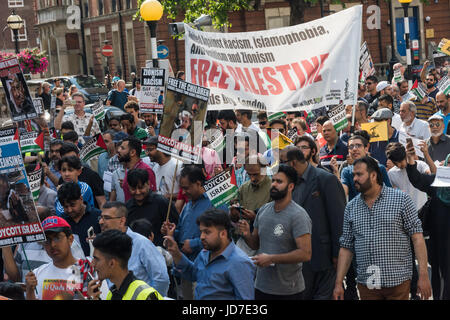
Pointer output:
444, 46
442, 178
16, 91
365, 62
151, 98
34, 178
377, 130
98, 110
183, 120
38, 105
32, 141
221, 188
19, 221
444, 85
338, 117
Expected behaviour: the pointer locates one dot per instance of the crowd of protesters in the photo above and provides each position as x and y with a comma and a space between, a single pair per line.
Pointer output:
319, 214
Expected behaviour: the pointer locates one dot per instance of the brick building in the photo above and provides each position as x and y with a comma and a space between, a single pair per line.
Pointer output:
111, 21
28, 36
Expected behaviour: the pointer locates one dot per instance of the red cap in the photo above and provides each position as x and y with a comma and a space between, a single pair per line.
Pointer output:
55, 224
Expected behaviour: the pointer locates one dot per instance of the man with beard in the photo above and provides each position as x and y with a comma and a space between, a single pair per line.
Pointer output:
148, 205
164, 169
51, 170
438, 146
431, 82
282, 236
378, 226
146, 262
130, 127
222, 271
152, 123
22, 107
404, 89
411, 125
321, 194
129, 153
359, 148
309, 149
443, 103
228, 124
78, 214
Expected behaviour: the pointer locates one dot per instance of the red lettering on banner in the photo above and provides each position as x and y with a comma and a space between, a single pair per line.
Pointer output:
277, 88
194, 71
237, 87
260, 81
212, 75
242, 79
323, 57
250, 81
284, 69
203, 66
223, 78
299, 73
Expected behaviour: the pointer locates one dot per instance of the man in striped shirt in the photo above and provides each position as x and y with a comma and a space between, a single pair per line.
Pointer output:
333, 148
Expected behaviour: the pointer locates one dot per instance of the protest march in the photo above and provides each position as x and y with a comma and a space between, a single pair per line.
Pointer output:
278, 165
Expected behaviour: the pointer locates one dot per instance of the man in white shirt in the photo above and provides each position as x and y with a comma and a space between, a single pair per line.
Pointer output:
164, 168
61, 279
396, 152
414, 127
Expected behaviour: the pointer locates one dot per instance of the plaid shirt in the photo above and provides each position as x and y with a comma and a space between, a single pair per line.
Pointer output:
380, 236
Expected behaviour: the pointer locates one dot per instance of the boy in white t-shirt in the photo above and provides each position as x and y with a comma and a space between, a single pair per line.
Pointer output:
64, 278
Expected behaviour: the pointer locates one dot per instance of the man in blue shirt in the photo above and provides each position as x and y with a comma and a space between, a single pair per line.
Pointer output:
358, 147
333, 148
443, 103
146, 262
187, 232
222, 271
118, 97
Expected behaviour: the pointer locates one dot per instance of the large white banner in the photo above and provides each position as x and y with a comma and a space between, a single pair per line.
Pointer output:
287, 69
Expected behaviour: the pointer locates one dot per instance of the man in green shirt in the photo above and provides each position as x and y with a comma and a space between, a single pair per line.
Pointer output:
130, 127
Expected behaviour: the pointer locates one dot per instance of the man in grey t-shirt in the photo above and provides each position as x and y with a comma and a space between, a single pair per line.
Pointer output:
282, 236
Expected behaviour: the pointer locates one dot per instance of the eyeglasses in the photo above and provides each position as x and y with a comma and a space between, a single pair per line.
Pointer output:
437, 125
107, 218
262, 122
56, 239
356, 145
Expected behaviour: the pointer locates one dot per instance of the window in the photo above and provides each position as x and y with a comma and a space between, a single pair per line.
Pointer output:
15, 3
113, 5
128, 4
21, 34
100, 7
277, 17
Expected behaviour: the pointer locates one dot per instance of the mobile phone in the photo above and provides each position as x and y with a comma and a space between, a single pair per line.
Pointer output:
91, 232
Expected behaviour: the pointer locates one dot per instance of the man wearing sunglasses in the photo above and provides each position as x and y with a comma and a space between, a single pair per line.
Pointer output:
439, 143
371, 86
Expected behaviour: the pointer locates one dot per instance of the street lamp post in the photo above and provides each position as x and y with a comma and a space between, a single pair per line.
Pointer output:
393, 60
405, 5
151, 11
15, 22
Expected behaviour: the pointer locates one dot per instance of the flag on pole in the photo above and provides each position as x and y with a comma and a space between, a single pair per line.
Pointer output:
418, 90
92, 148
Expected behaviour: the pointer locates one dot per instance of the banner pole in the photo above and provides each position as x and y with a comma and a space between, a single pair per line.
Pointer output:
28, 264
171, 191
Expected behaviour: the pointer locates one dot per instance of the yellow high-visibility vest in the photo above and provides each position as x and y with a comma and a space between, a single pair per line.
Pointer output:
138, 290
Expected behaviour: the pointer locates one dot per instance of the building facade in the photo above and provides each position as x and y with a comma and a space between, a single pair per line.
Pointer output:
27, 35
112, 22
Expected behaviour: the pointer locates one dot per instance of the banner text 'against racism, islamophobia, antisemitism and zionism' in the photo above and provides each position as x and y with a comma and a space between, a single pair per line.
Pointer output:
295, 68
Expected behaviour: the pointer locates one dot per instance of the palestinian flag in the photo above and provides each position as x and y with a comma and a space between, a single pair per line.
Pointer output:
222, 188
31, 141
92, 148
276, 115
34, 180
418, 90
